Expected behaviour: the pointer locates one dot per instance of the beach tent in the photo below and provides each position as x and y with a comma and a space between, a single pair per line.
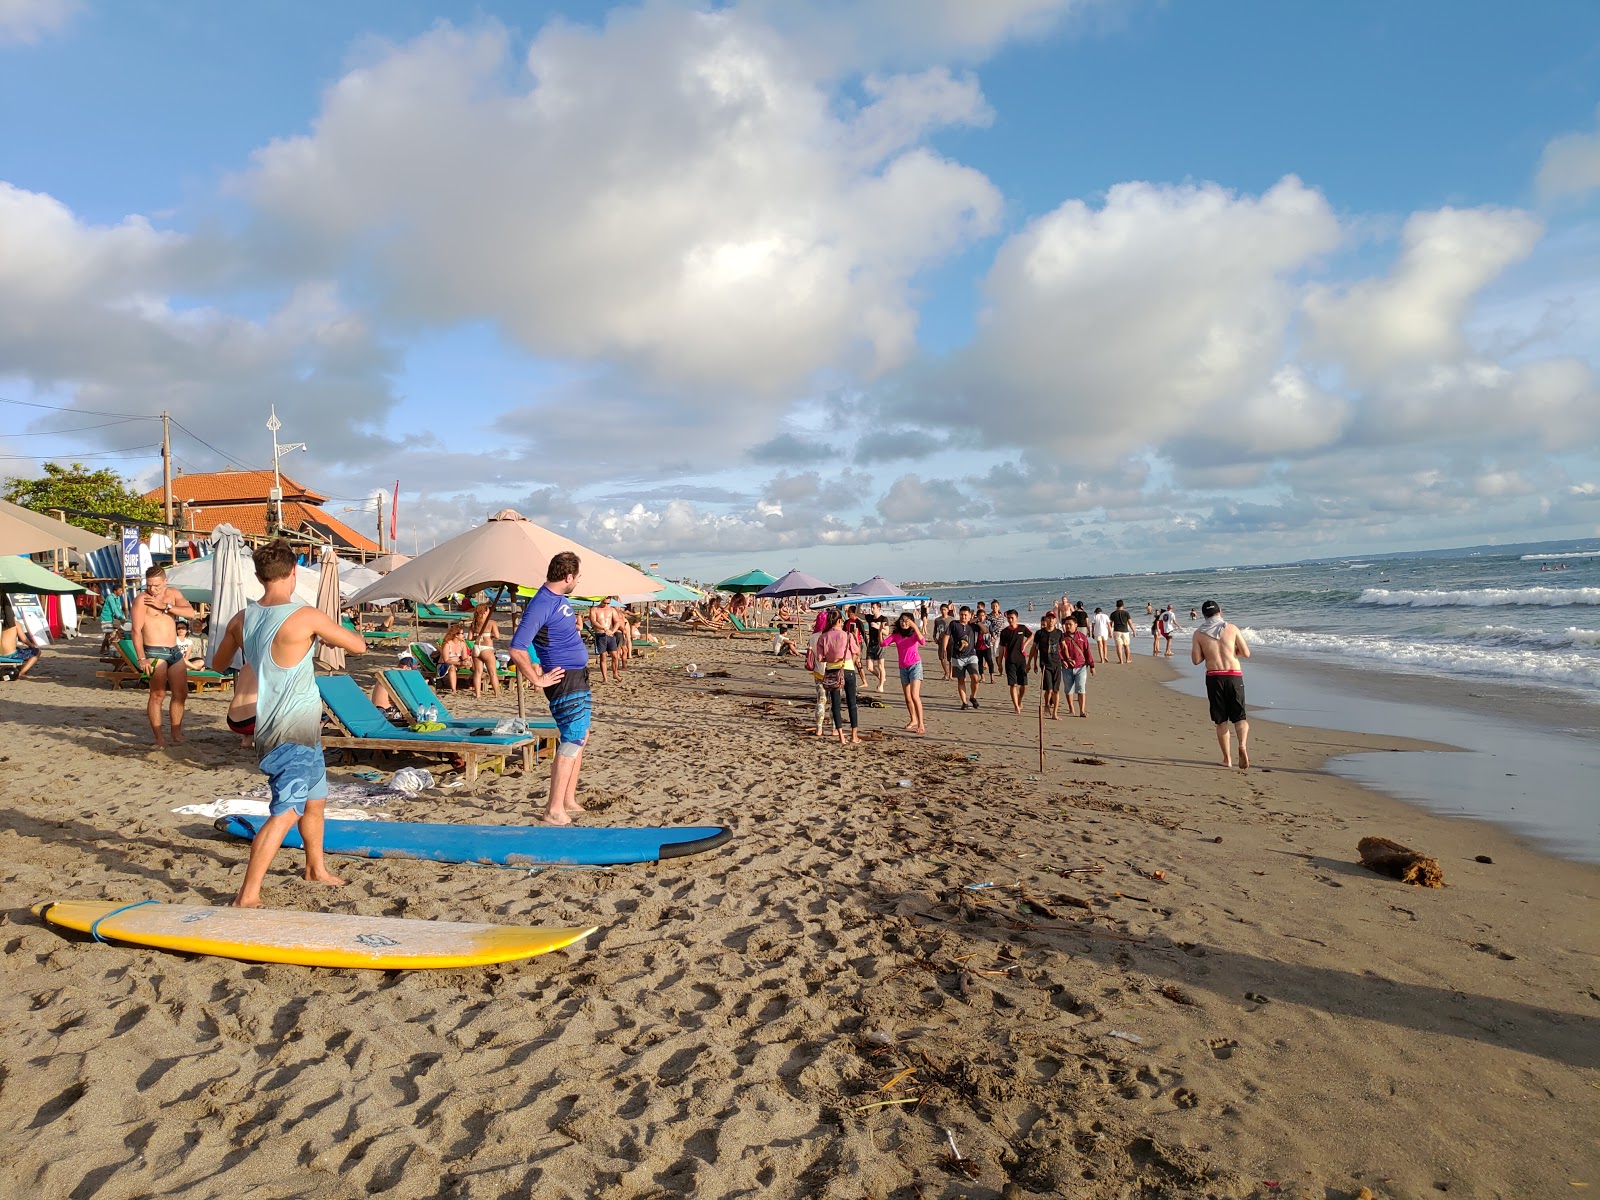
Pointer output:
877, 586
751, 581
506, 549
796, 583
194, 578
26, 576
23, 531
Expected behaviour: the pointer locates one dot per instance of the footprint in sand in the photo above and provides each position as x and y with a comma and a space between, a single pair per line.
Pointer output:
1222, 1048
1486, 948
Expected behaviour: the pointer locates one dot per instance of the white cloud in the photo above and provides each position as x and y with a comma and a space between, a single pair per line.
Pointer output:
27, 22
1414, 315
1110, 327
1570, 165
671, 192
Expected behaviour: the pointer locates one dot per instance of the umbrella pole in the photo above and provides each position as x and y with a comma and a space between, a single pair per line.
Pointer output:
1041, 731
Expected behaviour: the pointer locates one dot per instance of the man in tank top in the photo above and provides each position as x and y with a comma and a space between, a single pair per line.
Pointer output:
277, 634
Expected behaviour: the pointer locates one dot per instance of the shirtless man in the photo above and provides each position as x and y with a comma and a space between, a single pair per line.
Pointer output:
1220, 646
155, 647
604, 620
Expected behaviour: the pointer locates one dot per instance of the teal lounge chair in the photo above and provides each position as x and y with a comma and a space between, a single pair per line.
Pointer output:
411, 690
432, 614
375, 635
363, 727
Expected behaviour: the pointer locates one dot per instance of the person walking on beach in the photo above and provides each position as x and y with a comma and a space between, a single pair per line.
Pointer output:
1220, 646
272, 632
1078, 658
877, 626
992, 623
155, 648
548, 625
1100, 632
1122, 631
1167, 627
838, 650
1045, 653
908, 641
961, 649
941, 624
1014, 642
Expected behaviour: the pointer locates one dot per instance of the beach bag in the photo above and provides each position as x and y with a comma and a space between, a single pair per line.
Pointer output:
833, 679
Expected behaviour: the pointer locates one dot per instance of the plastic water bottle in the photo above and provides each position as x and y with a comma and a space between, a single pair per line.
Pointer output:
430, 712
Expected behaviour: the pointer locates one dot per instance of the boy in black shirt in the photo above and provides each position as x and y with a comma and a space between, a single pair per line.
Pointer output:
1014, 641
961, 648
1046, 652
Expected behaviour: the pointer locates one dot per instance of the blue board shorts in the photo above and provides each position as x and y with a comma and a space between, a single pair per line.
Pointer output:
1077, 680
296, 774
571, 706
605, 643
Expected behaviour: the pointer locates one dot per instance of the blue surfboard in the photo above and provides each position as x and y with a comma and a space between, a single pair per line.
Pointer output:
500, 845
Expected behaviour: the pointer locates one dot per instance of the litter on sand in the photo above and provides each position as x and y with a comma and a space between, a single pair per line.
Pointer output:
1126, 1037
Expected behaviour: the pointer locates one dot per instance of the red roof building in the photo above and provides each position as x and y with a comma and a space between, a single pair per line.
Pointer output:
243, 499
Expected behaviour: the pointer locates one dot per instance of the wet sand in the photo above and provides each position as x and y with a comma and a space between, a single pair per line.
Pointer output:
1262, 1018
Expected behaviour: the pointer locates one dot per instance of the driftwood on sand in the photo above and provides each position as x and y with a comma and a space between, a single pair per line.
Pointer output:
1399, 862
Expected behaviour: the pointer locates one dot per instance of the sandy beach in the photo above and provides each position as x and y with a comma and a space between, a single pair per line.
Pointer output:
1229, 1007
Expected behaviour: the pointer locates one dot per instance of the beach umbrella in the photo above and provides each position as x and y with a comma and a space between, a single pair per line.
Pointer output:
795, 583
23, 531
231, 567
506, 549
353, 577
385, 563
25, 575
329, 657
675, 592
877, 586
751, 581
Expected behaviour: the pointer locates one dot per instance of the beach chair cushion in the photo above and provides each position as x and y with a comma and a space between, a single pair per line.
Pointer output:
412, 690
361, 718
126, 646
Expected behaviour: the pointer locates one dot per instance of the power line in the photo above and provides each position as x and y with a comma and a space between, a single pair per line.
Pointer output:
87, 412
219, 453
91, 454
78, 428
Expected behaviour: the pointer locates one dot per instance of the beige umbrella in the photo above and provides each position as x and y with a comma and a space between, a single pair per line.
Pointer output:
506, 549
330, 657
23, 531
385, 563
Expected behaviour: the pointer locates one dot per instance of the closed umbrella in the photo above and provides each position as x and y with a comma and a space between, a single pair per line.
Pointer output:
329, 657
229, 567
796, 583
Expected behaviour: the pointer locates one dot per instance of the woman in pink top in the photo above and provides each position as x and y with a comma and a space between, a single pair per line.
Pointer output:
836, 649
907, 640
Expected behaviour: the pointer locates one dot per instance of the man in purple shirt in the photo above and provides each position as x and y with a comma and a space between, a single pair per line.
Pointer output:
562, 671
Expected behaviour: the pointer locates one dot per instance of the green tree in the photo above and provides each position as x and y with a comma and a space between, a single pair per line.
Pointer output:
634, 565
77, 487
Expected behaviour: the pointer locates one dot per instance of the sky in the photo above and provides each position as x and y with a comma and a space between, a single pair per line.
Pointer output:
924, 288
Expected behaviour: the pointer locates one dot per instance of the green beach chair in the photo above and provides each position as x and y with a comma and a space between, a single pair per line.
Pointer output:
128, 672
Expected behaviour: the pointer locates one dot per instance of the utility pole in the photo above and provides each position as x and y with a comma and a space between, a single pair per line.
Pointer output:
166, 467
276, 495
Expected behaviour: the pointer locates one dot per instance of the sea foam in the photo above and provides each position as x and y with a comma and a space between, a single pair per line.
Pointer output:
1488, 658
1544, 597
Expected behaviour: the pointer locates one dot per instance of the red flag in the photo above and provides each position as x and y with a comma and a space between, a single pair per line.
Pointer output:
394, 514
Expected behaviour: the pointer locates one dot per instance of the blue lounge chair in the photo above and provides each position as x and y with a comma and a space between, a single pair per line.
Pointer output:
363, 727
411, 692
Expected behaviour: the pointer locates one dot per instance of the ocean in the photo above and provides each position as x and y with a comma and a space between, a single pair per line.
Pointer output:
1498, 654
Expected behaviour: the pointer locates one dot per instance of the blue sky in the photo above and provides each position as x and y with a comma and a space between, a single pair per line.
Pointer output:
925, 288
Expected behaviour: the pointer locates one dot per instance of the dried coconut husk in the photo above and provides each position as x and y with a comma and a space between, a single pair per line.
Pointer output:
1399, 862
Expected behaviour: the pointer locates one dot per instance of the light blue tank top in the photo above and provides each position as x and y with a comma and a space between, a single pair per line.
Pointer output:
288, 705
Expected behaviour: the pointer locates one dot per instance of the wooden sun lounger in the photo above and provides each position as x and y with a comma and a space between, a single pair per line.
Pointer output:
127, 671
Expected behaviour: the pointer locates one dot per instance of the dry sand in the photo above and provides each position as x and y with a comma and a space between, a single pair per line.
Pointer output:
1296, 1026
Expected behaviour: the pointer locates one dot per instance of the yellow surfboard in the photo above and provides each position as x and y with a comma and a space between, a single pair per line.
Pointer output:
307, 939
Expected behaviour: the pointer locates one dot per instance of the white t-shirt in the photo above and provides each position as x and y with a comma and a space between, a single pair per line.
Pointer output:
1101, 625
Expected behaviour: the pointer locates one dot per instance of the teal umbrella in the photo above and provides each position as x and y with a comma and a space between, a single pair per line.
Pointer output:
25, 575
671, 591
750, 581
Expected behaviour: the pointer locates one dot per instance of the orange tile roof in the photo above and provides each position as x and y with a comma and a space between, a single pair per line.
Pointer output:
252, 519
222, 487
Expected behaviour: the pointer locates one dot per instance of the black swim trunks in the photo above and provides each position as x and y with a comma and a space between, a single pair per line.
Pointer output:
1016, 673
1226, 696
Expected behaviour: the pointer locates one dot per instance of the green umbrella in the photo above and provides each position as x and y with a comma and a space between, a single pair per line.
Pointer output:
25, 575
671, 591
750, 581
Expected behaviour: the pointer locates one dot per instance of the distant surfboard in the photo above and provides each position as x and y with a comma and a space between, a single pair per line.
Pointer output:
306, 939
501, 845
